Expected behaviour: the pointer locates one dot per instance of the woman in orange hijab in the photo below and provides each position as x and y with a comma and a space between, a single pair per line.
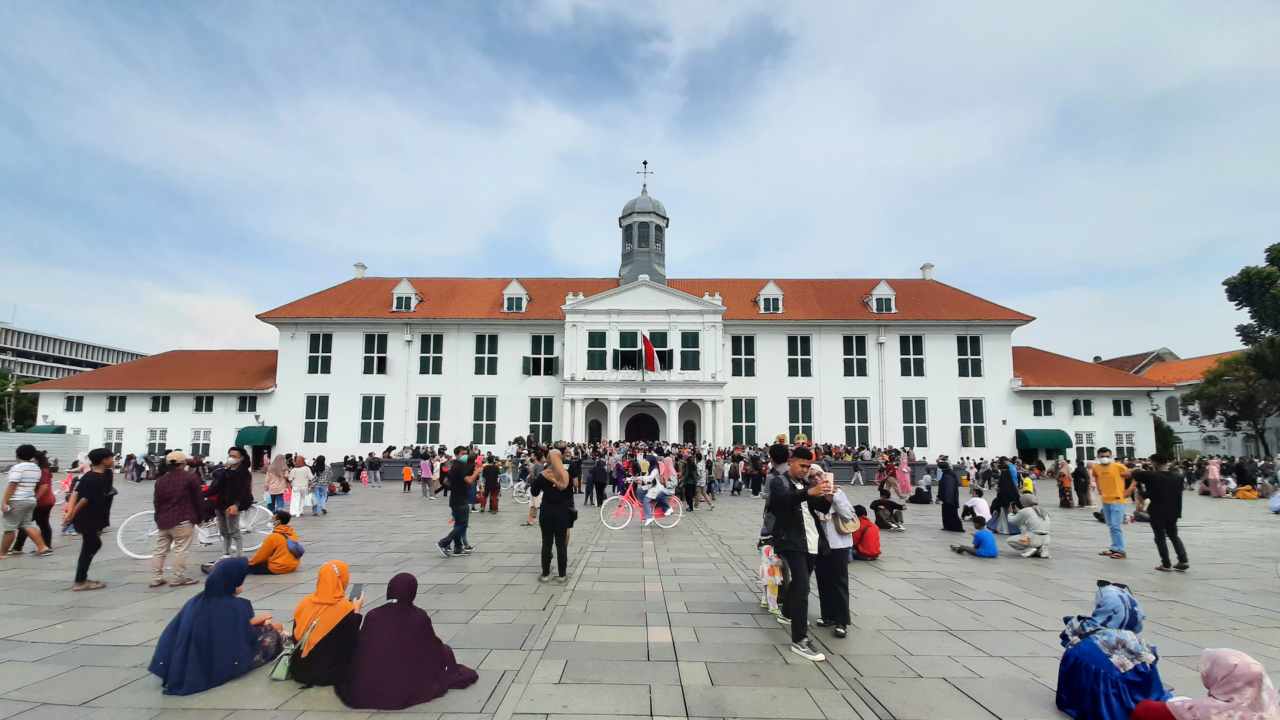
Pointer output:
333, 623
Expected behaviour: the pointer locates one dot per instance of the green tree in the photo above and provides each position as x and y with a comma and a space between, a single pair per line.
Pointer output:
1236, 397
23, 405
1256, 288
1166, 438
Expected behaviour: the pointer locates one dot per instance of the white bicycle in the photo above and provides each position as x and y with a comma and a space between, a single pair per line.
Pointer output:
520, 492
137, 534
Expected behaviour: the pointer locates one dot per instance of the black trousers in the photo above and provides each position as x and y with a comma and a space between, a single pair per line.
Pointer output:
1168, 529
408, 485
42, 521
560, 536
832, 571
690, 495
90, 544
794, 603
755, 485
600, 487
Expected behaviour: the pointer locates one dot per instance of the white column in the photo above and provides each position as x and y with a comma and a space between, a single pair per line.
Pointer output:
673, 421
580, 421
614, 431
704, 421
566, 421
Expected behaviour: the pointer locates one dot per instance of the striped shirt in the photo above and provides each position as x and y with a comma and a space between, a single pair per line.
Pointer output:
25, 475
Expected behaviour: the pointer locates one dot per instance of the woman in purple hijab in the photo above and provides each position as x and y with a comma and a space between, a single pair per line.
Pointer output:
399, 661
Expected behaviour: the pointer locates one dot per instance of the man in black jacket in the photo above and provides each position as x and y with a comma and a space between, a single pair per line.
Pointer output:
1164, 491
794, 536
232, 489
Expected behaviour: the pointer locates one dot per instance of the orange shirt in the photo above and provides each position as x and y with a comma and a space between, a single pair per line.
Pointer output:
407, 473
1110, 479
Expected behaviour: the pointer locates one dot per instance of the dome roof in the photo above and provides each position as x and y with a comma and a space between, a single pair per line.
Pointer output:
644, 203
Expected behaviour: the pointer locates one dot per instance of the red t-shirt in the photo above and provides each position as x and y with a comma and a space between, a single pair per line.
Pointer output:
866, 539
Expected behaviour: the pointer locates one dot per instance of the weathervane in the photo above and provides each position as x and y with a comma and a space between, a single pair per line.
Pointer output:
645, 173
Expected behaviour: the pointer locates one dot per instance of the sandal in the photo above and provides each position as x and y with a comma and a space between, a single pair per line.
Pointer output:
46, 551
88, 585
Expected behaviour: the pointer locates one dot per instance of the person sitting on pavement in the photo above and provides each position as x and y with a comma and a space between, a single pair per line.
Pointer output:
1238, 689
281, 551
888, 513
325, 627
1034, 522
984, 541
866, 538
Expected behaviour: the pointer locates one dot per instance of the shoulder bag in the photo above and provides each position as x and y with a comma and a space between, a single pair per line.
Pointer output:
281, 670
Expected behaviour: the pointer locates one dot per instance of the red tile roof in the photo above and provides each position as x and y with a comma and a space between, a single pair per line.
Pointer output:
178, 370
1127, 363
1043, 369
481, 298
1173, 372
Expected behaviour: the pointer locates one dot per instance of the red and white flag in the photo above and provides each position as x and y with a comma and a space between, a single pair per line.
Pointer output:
650, 355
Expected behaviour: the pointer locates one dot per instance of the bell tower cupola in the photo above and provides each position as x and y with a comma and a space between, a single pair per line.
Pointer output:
644, 224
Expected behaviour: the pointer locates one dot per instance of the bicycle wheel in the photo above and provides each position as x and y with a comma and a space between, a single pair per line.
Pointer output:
616, 514
520, 493
671, 518
255, 526
505, 482
136, 536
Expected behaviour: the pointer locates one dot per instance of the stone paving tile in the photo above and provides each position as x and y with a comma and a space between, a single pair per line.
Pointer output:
15, 674
936, 666
9, 708
597, 651
1007, 701
78, 686
1002, 643
766, 674
927, 699
621, 672
720, 652
753, 702
927, 642
582, 699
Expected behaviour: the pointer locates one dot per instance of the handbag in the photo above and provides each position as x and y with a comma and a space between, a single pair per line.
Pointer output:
843, 526
281, 669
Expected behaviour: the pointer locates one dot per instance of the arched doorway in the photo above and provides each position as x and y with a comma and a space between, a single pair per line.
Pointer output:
690, 432
595, 432
641, 428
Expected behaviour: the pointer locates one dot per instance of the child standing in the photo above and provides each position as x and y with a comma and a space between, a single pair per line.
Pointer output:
406, 476
770, 579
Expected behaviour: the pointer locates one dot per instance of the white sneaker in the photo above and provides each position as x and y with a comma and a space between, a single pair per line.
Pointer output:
648, 522
806, 650
1030, 553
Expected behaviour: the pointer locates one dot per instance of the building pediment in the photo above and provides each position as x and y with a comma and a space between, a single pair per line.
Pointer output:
644, 296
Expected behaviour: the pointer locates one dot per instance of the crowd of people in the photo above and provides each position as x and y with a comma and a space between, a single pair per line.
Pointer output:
810, 532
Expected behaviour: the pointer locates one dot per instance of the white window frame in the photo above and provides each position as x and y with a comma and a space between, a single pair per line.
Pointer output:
911, 421
431, 354
319, 353
1081, 407
73, 403
117, 403
428, 429
113, 440
743, 420
882, 304
857, 422
691, 356
541, 416
1086, 445
1121, 408
202, 404
799, 417
160, 403
315, 425
373, 417
1126, 442
1042, 407
542, 347
800, 357
601, 351
514, 304
969, 360
771, 304
911, 362
402, 303
486, 362
375, 358
484, 419
200, 441
973, 432
854, 362
742, 363
157, 440
246, 403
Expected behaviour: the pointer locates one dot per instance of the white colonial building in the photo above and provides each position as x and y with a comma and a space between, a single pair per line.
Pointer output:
378, 361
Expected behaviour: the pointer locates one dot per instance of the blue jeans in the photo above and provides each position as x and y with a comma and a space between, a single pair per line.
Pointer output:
1114, 515
322, 497
458, 535
648, 504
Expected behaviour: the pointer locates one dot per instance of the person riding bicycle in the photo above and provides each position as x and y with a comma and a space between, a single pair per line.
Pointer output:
651, 489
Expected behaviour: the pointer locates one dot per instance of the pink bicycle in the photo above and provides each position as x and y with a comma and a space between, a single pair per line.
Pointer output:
618, 511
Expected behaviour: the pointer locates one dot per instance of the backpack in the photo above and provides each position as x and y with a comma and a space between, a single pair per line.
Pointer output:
733, 471
295, 548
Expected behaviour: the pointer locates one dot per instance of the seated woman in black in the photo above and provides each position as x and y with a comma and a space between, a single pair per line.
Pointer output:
326, 625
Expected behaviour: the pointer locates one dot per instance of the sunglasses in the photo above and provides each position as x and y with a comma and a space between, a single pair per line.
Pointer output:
1104, 583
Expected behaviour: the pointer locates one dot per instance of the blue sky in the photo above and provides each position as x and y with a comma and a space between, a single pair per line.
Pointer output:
168, 170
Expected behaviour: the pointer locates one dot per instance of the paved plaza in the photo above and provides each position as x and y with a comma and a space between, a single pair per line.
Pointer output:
661, 623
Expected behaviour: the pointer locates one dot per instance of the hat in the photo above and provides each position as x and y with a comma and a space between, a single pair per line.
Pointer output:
1027, 500
177, 457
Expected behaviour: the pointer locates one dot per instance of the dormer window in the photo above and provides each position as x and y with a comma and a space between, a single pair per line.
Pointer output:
770, 299
515, 298
883, 299
404, 297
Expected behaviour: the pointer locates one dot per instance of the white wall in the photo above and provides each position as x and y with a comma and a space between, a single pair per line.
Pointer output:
1104, 424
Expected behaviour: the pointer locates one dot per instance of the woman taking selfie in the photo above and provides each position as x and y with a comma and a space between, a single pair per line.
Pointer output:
556, 515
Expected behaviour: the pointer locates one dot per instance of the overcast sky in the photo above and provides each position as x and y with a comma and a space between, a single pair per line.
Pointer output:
167, 170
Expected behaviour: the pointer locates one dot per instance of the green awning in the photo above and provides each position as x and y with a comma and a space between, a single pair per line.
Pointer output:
1042, 439
49, 429
264, 435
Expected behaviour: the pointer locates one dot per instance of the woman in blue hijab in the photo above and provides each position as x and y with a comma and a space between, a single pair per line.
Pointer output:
215, 636
1107, 669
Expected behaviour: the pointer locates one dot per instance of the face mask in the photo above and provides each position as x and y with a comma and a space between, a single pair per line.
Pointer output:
1104, 460
232, 461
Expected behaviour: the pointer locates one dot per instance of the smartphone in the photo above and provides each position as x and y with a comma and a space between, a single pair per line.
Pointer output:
830, 480
357, 589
